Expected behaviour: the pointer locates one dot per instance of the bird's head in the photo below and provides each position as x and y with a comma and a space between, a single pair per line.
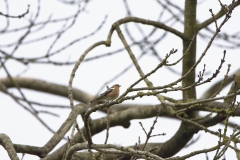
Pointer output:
115, 86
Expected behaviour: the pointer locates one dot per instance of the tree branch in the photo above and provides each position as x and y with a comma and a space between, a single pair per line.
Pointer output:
216, 16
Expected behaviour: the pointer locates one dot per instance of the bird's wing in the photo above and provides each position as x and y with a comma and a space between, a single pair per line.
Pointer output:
102, 94
106, 92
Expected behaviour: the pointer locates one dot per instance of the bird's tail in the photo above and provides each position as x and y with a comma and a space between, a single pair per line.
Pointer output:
96, 102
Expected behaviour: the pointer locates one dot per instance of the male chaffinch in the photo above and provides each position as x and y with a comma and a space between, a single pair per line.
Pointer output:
109, 95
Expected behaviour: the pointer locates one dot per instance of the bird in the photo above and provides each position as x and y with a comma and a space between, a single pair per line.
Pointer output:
109, 95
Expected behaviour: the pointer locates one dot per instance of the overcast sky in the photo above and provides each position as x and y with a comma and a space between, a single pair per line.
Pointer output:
23, 128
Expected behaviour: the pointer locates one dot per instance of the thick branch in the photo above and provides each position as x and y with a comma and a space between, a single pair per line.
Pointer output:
190, 59
6, 142
178, 141
47, 87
